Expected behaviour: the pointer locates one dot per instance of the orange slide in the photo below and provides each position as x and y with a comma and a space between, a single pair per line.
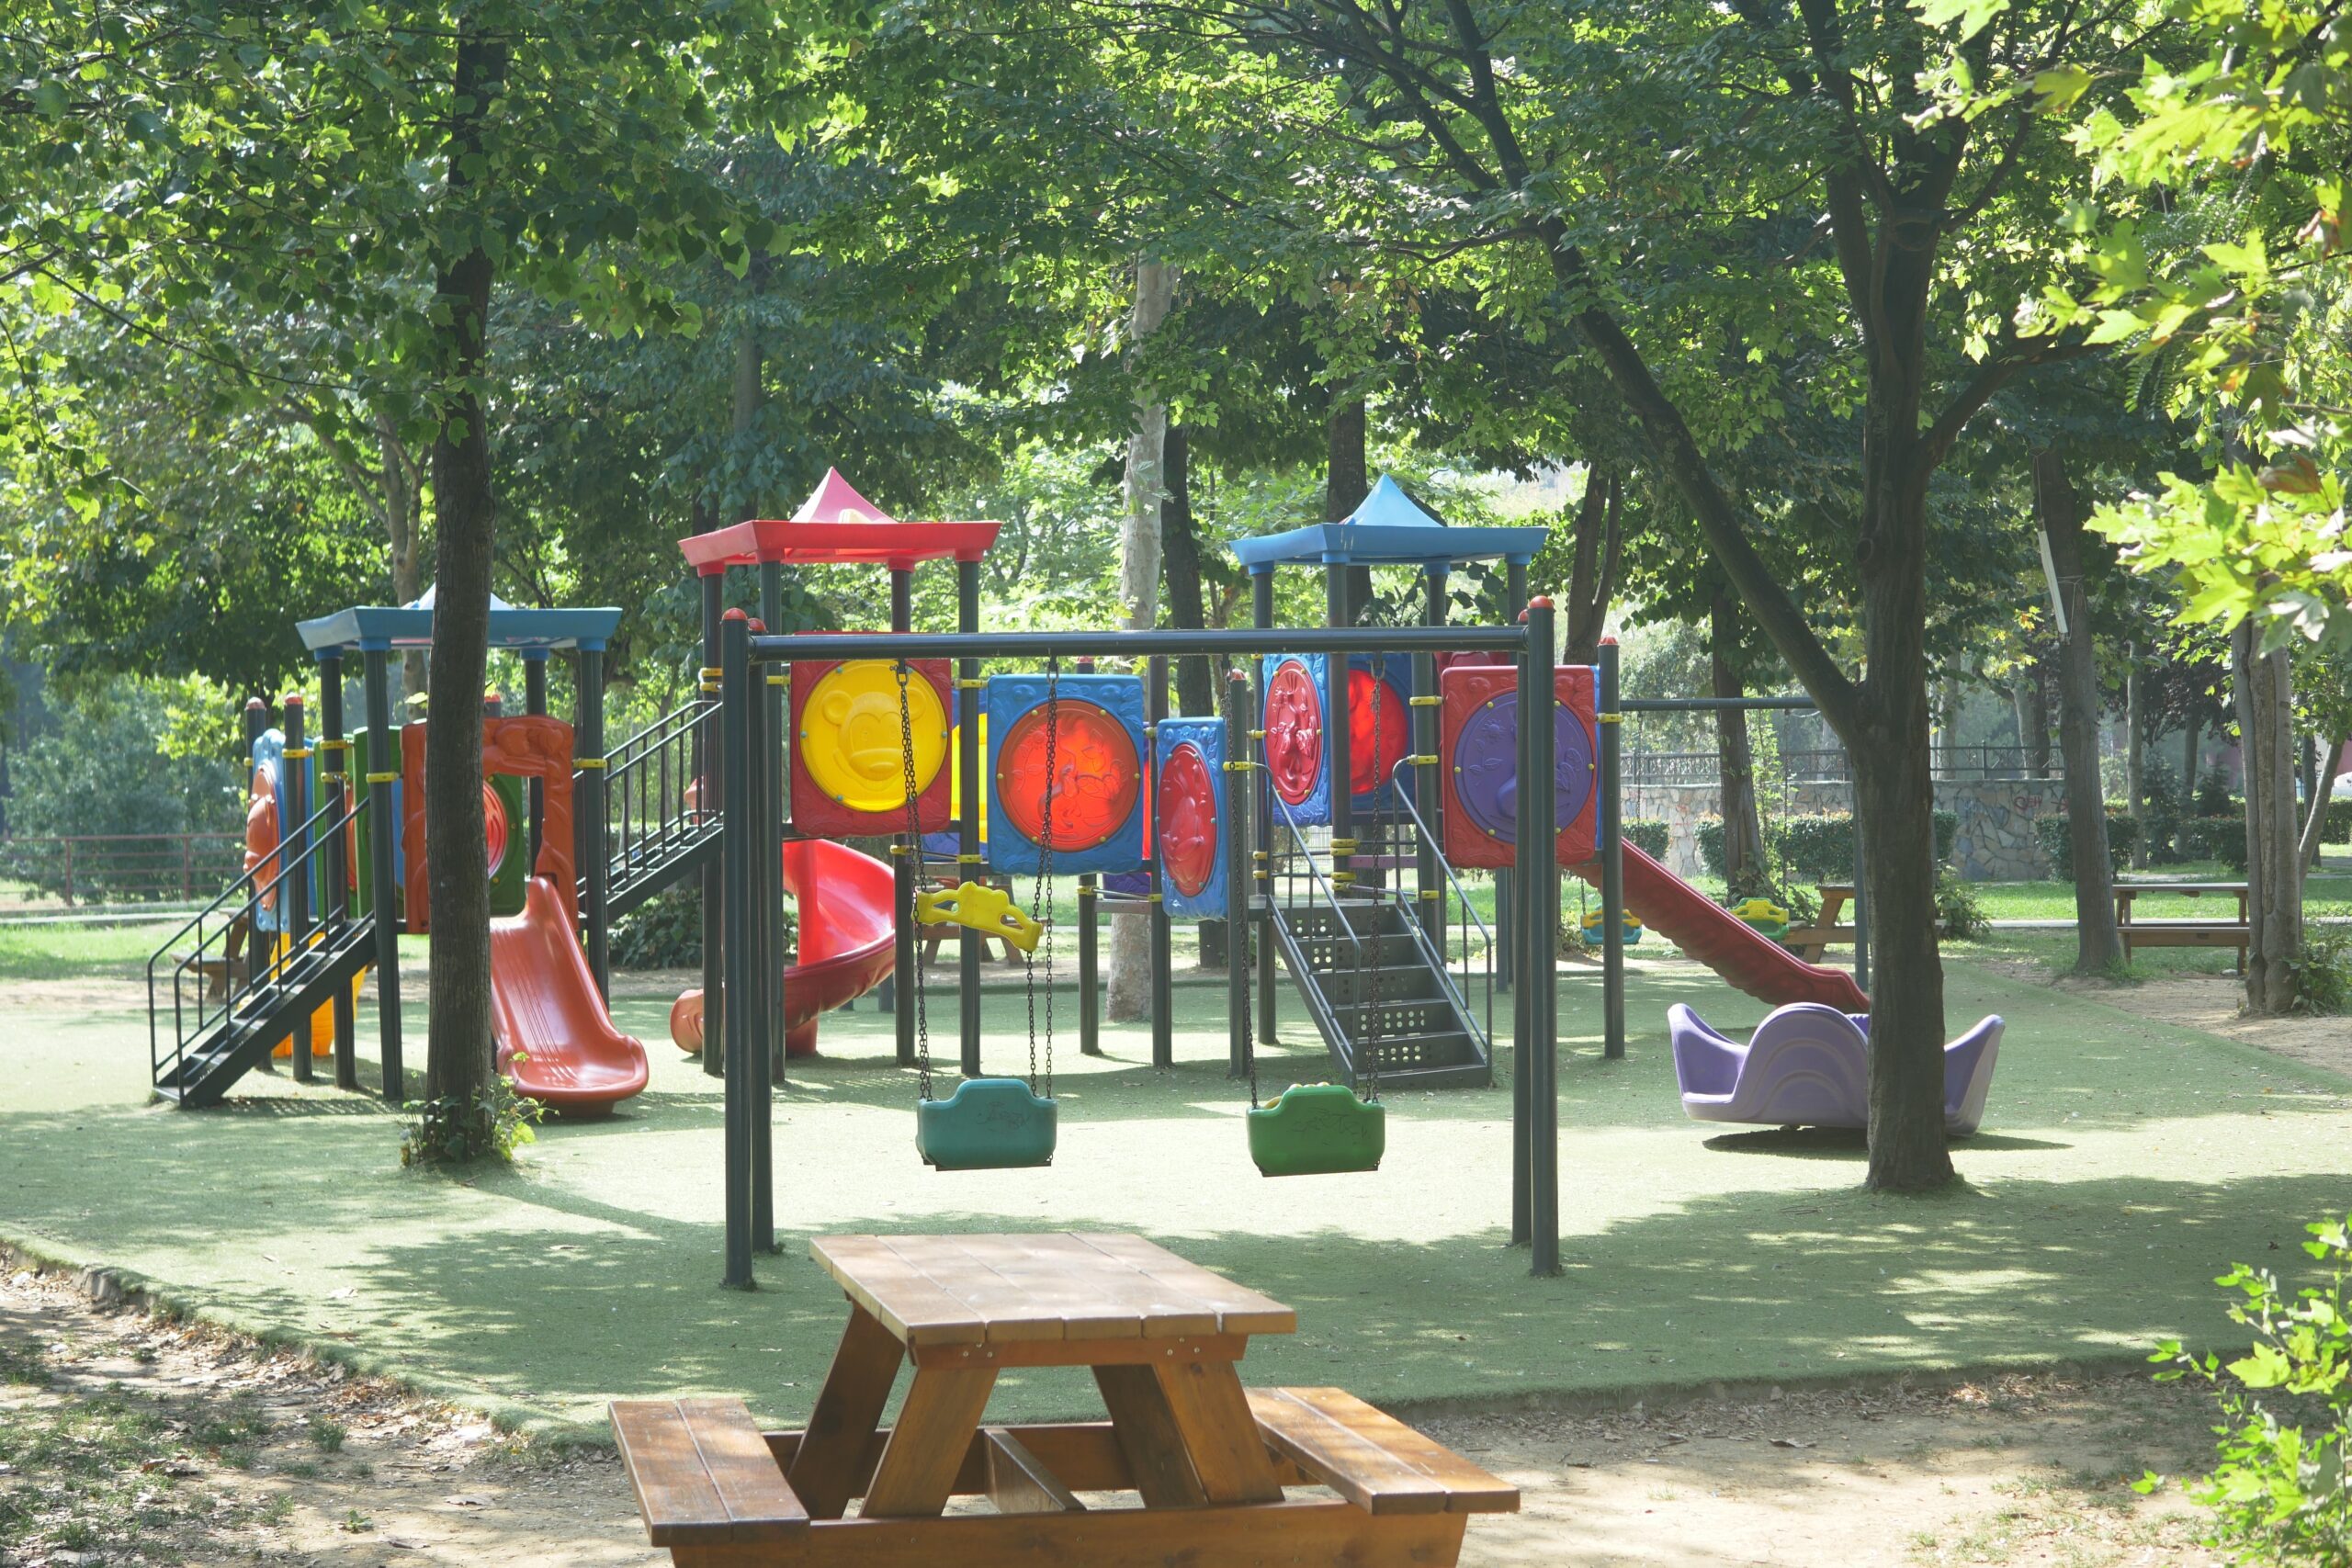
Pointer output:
1726, 943
848, 942
555, 1038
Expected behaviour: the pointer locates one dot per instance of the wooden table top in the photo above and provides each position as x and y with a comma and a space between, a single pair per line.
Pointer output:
948, 1289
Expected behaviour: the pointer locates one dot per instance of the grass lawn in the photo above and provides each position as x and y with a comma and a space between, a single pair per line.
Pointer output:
63, 951
2124, 1164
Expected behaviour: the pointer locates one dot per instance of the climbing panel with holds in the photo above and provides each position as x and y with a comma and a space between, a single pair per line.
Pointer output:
1298, 750
1479, 764
849, 752
1096, 794
1190, 806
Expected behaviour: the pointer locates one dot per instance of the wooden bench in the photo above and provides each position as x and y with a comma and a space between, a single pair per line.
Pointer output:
1374, 1460
703, 1475
2237, 934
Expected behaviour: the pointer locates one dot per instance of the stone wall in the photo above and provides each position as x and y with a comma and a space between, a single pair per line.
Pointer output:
1995, 841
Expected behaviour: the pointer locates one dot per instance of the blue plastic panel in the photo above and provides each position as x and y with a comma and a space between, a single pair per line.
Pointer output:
1201, 740
1312, 806
1010, 697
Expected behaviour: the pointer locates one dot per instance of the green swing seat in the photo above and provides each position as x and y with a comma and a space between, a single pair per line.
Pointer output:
1317, 1129
987, 1124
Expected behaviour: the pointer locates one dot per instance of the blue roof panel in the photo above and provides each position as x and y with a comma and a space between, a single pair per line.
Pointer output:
1388, 529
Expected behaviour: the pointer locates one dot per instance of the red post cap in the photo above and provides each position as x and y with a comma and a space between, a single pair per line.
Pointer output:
758, 626
1237, 677
1609, 641
735, 615
292, 699
255, 704
1542, 599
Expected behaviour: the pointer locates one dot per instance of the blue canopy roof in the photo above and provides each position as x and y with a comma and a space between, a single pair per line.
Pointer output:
1388, 529
411, 625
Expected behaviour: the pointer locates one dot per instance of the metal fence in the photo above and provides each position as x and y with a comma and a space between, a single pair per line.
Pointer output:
111, 868
1657, 770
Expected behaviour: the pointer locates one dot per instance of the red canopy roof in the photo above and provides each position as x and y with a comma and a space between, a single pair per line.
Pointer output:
835, 526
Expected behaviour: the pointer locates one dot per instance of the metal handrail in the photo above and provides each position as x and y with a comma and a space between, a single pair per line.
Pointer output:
346, 810
1315, 873
1403, 797
1442, 967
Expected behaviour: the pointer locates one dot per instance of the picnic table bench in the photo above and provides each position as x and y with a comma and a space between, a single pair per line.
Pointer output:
1205, 1461
2237, 934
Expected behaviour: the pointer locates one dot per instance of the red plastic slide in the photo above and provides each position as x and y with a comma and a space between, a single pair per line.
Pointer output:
847, 942
1720, 939
554, 1039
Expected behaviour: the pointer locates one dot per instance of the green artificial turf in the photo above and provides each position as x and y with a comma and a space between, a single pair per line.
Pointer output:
2124, 1164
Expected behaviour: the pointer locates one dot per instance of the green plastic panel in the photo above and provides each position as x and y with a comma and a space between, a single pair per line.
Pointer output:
1317, 1129
363, 897
987, 1124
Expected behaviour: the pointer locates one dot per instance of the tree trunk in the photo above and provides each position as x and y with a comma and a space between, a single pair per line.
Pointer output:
1592, 579
2266, 705
1128, 997
1196, 679
403, 525
2098, 947
462, 1062
2323, 792
1745, 871
2037, 714
2135, 781
1346, 481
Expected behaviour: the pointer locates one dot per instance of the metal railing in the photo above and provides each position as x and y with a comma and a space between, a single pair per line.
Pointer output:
1453, 898
96, 868
1283, 865
1831, 764
652, 792
234, 917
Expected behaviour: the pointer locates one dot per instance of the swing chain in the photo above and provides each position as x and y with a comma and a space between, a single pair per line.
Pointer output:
914, 854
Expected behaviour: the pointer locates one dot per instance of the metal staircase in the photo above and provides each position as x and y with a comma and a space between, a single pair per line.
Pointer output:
1389, 999
214, 1013
657, 830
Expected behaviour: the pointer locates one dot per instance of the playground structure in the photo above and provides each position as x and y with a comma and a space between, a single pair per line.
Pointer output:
1808, 1065
1329, 836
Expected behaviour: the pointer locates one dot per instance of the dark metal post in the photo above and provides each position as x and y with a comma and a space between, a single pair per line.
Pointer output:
1162, 937
967, 826
714, 870
762, 906
335, 881
591, 832
1506, 906
1539, 863
1428, 793
1090, 967
738, 838
383, 772
1336, 720
905, 863
773, 745
1612, 861
257, 721
1862, 911
1235, 826
294, 900
1510, 934
535, 702
1261, 877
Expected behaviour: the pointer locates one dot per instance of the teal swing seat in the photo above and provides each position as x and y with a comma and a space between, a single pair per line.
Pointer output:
987, 1124
1317, 1129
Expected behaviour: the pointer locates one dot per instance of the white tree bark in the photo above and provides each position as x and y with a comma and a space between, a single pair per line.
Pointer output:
1128, 997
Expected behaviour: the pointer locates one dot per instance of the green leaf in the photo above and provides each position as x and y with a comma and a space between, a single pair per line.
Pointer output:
1973, 16
48, 98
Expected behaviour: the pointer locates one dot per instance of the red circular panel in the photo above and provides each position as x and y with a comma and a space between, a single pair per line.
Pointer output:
1366, 771
493, 827
1294, 733
1187, 820
1096, 775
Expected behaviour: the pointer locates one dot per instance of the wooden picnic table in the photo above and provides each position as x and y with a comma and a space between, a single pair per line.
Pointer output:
1206, 1461
2215, 932
1810, 941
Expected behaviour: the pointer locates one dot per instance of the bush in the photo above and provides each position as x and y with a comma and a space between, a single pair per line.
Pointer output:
1650, 835
2323, 971
2160, 814
2216, 838
665, 931
2278, 1494
1710, 834
1957, 910
2057, 837
2339, 821
2213, 792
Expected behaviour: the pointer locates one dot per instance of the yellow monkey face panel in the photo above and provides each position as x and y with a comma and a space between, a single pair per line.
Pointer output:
851, 733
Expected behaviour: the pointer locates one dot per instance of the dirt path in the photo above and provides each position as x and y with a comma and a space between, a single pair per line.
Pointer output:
2207, 1002
126, 1439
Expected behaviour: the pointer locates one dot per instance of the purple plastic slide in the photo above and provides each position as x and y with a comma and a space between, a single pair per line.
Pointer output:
1808, 1065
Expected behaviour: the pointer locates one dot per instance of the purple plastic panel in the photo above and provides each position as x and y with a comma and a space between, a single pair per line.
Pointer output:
1486, 780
